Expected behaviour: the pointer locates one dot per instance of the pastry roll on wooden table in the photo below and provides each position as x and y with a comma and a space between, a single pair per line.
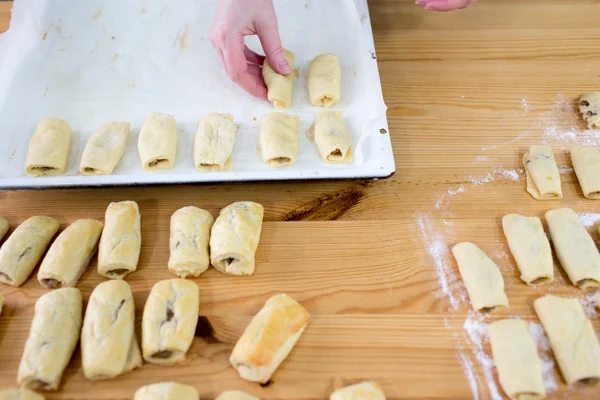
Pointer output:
481, 277
167, 391
70, 254
108, 344
190, 233
157, 143
121, 240
333, 137
572, 337
543, 178
280, 87
53, 336
214, 141
19, 394
236, 395
589, 107
269, 338
49, 148
169, 321
574, 247
586, 163
23, 249
4, 226
359, 391
278, 140
234, 238
324, 79
104, 149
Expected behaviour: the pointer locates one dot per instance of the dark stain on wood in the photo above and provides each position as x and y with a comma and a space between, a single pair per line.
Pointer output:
205, 330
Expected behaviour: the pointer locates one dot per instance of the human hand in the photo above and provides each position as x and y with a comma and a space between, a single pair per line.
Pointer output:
444, 5
236, 19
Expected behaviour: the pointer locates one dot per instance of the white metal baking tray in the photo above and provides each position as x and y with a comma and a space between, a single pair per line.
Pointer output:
107, 60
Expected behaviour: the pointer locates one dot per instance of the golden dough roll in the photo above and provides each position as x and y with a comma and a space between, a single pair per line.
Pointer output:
359, 391
236, 395
70, 254
167, 391
279, 87
19, 394
278, 140
190, 233
157, 143
49, 148
104, 149
52, 338
214, 141
269, 338
23, 249
324, 80
333, 137
4, 226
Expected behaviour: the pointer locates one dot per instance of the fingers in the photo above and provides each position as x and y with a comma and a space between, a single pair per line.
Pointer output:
269, 38
252, 57
234, 57
444, 5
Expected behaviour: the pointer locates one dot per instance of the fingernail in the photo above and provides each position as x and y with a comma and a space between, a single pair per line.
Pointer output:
283, 66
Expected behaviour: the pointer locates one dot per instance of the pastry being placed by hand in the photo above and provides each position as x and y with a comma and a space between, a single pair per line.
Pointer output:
214, 142
589, 107
280, 87
104, 149
157, 143
190, 233
324, 79
167, 391
359, 391
49, 148
278, 140
333, 137
19, 394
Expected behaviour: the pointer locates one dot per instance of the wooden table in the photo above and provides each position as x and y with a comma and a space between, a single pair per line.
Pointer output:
467, 93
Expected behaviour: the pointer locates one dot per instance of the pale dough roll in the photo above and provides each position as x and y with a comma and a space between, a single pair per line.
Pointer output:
324, 79
121, 240
278, 139
236, 395
190, 233
234, 238
19, 394
589, 107
49, 148
70, 254
269, 338
23, 249
53, 336
543, 178
530, 248
574, 247
4, 226
157, 143
214, 141
279, 87
169, 321
481, 277
586, 163
359, 391
104, 149
167, 391
574, 342
333, 137
517, 361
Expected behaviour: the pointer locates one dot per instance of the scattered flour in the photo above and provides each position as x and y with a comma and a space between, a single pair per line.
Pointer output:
543, 345
589, 303
470, 372
588, 219
525, 107
442, 200
481, 179
507, 173
565, 169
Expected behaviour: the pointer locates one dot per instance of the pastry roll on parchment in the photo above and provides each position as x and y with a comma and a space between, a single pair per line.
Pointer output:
236, 395
190, 233
572, 337
70, 254
517, 361
19, 394
543, 178
589, 107
157, 143
169, 321
4, 225
586, 163
49, 148
278, 140
481, 277
574, 247
23, 249
269, 338
53, 336
324, 78
108, 344
234, 238
121, 240
359, 391
280, 87
104, 149
167, 391
214, 141
333, 137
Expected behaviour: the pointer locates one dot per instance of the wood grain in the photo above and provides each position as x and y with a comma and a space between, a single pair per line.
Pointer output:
467, 93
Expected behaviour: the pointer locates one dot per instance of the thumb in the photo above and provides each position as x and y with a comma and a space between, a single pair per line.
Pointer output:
271, 43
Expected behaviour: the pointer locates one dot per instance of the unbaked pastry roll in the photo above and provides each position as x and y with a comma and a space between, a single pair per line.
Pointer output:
19, 394
53, 336
49, 148
214, 141
517, 361
70, 254
574, 342
236, 395
121, 240
481, 277
234, 238
169, 321
324, 78
530, 248
574, 247
359, 391
543, 178
4, 225
104, 149
269, 338
280, 87
333, 137
157, 143
586, 163
23, 249
108, 344
278, 139
589, 107
190, 233
167, 391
